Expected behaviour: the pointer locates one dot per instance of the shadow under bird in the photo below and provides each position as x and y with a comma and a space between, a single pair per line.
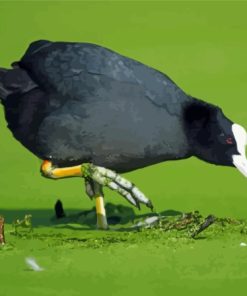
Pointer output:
87, 111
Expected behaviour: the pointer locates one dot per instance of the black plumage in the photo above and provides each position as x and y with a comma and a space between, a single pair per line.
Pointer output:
79, 102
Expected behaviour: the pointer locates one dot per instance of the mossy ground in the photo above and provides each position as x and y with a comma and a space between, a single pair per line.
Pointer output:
78, 229
125, 259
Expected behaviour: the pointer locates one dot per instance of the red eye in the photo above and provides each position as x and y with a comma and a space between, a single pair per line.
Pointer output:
229, 140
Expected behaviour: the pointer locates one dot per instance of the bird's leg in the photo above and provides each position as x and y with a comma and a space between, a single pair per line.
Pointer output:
50, 171
100, 212
100, 175
94, 190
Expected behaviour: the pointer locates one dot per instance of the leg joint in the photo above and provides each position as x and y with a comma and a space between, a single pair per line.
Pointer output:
47, 169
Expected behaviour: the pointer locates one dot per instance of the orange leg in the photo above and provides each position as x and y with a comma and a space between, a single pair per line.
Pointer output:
50, 171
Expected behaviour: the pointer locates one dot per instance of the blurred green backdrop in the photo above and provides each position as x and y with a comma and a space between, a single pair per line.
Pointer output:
202, 46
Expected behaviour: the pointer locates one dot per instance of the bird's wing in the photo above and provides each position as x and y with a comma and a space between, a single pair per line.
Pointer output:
76, 69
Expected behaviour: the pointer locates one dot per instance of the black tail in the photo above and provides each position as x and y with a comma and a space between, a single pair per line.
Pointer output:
3, 91
14, 81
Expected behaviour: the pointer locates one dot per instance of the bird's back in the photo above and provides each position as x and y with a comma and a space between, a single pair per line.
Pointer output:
75, 70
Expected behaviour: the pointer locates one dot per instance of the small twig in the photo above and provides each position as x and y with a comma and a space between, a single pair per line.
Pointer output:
2, 237
208, 221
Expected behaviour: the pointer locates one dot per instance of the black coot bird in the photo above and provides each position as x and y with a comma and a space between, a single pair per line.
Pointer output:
90, 112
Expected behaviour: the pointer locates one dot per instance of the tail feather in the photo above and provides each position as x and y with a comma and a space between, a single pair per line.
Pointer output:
3, 90
13, 81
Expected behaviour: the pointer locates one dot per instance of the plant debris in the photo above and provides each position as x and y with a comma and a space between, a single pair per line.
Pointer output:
2, 236
147, 223
191, 224
208, 221
25, 223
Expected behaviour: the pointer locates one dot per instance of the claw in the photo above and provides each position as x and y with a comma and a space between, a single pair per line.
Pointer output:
111, 179
150, 205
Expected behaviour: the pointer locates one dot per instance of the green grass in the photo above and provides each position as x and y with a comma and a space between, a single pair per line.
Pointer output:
201, 46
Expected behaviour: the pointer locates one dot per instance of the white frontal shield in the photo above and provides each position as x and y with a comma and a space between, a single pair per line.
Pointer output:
240, 160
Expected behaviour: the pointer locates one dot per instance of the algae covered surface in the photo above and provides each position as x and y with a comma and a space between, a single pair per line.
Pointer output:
128, 258
202, 47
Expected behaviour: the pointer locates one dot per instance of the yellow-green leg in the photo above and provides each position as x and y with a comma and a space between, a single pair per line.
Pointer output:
101, 214
76, 171
96, 177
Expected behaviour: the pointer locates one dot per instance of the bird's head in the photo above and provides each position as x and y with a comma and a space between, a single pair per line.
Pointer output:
213, 137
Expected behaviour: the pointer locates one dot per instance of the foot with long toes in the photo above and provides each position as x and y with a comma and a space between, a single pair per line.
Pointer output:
114, 181
95, 178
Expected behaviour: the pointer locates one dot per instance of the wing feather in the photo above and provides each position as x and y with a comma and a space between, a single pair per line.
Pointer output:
80, 70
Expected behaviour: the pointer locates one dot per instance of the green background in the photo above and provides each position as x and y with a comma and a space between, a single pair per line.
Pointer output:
202, 46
